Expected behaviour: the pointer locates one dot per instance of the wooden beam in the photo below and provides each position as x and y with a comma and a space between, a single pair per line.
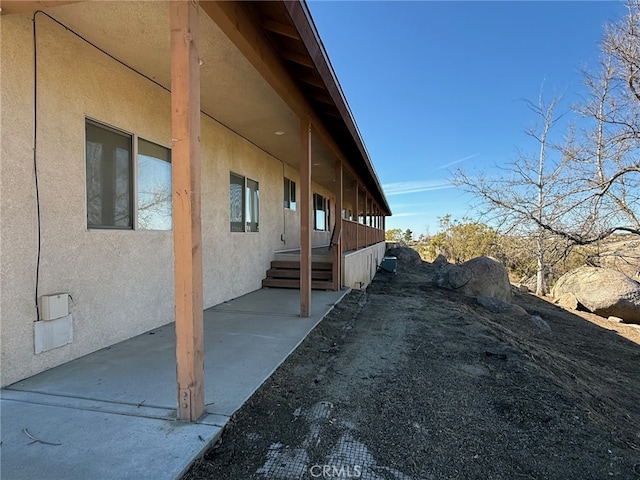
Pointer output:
322, 97
337, 237
332, 112
305, 217
313, 81
280, 28
297, 58
187, 228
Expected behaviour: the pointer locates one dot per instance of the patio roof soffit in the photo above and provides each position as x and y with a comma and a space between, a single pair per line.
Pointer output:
280, 41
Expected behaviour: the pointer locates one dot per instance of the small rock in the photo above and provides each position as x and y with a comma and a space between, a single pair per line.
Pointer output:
568, 301
440, 260
499, 306
615, 319
540, 323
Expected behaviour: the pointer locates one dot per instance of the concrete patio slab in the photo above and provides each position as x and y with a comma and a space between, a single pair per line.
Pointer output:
111, 414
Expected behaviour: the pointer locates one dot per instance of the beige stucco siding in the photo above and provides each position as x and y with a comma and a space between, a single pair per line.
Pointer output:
235, 263
121, 281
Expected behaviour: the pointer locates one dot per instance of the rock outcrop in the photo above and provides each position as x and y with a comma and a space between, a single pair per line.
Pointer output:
480, 276
405, 255
602, 291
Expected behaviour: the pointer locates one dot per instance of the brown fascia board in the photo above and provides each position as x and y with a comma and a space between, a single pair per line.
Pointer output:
301, 18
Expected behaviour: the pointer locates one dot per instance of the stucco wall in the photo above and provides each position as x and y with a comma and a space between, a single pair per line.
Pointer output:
121, 281
360, 266
291, 218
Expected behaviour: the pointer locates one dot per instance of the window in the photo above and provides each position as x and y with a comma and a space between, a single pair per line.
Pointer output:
321, 218
109, 183
110, 180
154, 186
253, 206
244, 204
289, 194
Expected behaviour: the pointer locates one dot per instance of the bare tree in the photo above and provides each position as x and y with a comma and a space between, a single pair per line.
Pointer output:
528, 195
588, 187
154, 207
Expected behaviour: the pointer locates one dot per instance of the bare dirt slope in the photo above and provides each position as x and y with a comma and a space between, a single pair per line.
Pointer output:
406, 381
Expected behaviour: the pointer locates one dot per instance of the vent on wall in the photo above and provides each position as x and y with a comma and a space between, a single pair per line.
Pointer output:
56, 326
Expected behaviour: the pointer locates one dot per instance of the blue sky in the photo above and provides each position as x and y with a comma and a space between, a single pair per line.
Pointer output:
439, 85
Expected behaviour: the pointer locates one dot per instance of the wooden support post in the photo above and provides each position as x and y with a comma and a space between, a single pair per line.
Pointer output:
337, 237
187, 228
305, 217
357, 215
368, 221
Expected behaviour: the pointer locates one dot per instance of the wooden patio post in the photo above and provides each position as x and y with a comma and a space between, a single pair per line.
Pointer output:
337, 240
187, 229
357, 215
369, 229
305, 217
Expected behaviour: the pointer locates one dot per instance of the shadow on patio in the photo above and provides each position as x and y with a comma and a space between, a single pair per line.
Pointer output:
111, 414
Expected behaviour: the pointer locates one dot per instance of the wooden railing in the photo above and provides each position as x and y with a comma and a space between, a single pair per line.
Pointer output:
355, 235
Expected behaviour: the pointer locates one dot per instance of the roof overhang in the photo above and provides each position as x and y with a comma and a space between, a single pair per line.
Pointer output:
263, 68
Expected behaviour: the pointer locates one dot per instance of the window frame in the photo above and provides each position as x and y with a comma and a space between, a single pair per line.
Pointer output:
325, 209
134, 177
131, 180
248, 195
289, 194
137, 184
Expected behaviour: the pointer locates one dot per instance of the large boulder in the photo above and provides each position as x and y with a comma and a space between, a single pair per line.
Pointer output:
603, 291
480, 276
405, 255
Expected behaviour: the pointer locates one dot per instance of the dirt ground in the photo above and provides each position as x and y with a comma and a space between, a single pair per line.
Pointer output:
407, 381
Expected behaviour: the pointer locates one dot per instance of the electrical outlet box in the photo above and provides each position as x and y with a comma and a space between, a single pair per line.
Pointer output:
54, 306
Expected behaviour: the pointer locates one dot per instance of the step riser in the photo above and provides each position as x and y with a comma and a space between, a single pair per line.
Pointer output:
295, 274
286, 274
296, 265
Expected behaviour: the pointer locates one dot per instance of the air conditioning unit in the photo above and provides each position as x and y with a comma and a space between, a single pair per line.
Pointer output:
389, 264
54, 306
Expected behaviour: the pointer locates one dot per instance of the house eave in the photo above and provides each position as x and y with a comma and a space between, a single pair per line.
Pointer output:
289, 27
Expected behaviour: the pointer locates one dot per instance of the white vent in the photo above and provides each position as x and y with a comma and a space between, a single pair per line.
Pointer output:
54, 306
53, 334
